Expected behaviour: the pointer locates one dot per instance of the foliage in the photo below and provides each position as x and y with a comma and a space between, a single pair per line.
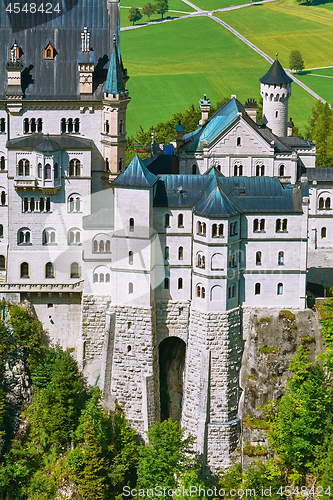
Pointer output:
255, 423
134, 14
161, 7
251, 377
320, 130
265, 320
148, 10
268, 349
287, 314
326, 312
307, 339
166, 456
255, 450
295, 60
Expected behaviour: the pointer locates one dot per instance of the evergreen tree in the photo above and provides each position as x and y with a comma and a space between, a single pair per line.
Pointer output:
134, 14
320, 130
148, 10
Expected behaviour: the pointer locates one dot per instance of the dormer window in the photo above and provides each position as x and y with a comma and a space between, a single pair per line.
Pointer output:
49, 52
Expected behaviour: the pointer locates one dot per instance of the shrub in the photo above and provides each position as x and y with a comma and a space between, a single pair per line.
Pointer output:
287, 314
251, 377
268, 350
255, 423
265, 320
255, 451
307, 339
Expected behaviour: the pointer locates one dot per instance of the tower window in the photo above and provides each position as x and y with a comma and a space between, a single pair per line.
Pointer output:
2, 163
239, 141
166, 283
75, 270
130, 288
39, 125
130, 258
257, 289
24, 237
107, 127
258, 258
276, 114
49, 270
180, 283
167, 220
180, 220
1, 230
321, 203
131, 225
74, 203
281, 170
76, 125
24, 270
2, 125
47, 170
328, 203
74, 168
107, 165
280, 289
203, 293
323, 232
166, 253
3, 198
180, 253
194, 169
56, 170
280, 258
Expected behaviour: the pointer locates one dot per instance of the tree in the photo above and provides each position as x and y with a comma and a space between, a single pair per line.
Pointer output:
321, 132
134, 14
295, 60
162, 7
148, 10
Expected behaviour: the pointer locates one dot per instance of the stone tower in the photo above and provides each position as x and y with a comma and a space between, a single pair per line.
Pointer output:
275, 91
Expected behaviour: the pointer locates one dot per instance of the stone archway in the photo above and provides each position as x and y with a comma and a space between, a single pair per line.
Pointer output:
172, 363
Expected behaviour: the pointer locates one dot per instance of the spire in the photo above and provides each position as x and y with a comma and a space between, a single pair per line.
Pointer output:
114, 80
276, 75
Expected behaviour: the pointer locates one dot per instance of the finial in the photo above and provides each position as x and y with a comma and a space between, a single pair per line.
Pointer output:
276, 55
114, 38
85, 39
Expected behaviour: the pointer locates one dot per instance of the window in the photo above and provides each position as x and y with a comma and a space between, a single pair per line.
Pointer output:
40, 170
235, 170
281, 170
276, 114
323, 232
23, 237
262, 170
166, 253
280, 258
203, 293
2, 263
233, 291
3, 198
24, 167
278, 225
49, 52
74, 237
101, 246
198, 291
257, 289
180, 283
26, 126
108, 246
95, 246
107, 165
328, 203
166, 284
101, 278
95, 278
107, 278
284, 225
256, 225
74, 168
167, 220
74, 203
217, 230
70, 125
107, 126
201, 261
130, 288
321, 203
47, 171
49, 236
229, 292
2, 125
180, 220
131, 225
239, 141
49, 270
75, 270
63, 126
240, 170
120, 165
258, 258
194, 169
76, 125
233, 228
219, 168
201, 228
217, 262
39, 125
1, 230
56, 170
130, 258
280, 289
180, 253
262, 225
24, 270
2, 163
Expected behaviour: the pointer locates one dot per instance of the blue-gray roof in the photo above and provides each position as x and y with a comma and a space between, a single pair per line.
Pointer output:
276, 75
224, 196
114, 81
58, 78
179, 127
136, 175
49, 143
319, 174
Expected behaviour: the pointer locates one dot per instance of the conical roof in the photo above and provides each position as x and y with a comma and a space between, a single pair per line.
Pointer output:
136, 175
276, 75
213, 172
48, 146
114, 81
214, 202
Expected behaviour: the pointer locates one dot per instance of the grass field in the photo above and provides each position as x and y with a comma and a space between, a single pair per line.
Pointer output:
173, 4
175, 63
283, 26
124, 21
328, 6
321, 85
217, 4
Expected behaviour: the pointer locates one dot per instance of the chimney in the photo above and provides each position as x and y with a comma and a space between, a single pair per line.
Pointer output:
205, 108
86, 64
290, 126
251, 109
179, 135
14, 92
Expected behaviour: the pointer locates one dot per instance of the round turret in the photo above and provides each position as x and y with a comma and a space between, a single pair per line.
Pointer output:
275, 91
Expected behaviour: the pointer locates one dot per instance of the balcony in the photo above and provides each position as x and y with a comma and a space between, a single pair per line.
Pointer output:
49, 186
24, 182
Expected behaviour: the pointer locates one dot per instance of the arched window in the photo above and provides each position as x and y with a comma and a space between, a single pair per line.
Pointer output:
130, 258
3, 198
281, 170
216, 293
121, 127
130, 288
40, 170
229, 292
233, 292
235, 170
95, 246
280, 258
32, 204
262, 225
280, 289
323, 232
257, 289
75, 270
198, 291
258, 258
328, 203
278, 225
239, 141
49, 236
201, 261
95, 278
74, 203
77, 125
47, 171
107, 126
203, 228
167, 220
219, 168
2, 263
63, 125
284, 225
48, 204
180, 253
107, 165
203, 293
276, 114
26, 205
26, 126
24, 270
49, 270
39, 125
262, 170
108, 246
33, 125
166, 284
120, 165
166, 253
321, 203
2, 163
240, 170
27, 167
56, 170
70, 125
214, 230
217, 261
194, 169
131, 224
255, 225
2, 125
101, 278
23, 237
180, 283
1, 230
74, 168
101, 246
107, 278
180, 220
257, 170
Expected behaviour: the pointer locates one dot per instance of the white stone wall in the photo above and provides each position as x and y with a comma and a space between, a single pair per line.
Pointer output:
275, 107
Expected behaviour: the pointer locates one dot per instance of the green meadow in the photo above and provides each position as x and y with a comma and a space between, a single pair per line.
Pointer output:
175, 63
217, 4
173, 4
124, 21
320, 84
283, 26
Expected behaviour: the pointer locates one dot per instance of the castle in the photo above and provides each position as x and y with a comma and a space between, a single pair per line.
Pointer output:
144, 273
